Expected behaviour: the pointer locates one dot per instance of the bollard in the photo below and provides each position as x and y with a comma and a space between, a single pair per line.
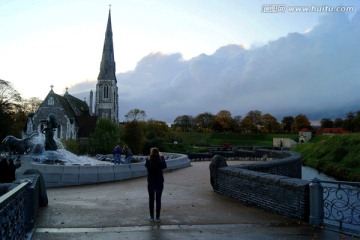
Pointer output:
316, 203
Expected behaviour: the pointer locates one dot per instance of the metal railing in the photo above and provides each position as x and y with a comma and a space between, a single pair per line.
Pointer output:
335, 205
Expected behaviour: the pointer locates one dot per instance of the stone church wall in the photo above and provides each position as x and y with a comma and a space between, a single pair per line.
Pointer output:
57, 111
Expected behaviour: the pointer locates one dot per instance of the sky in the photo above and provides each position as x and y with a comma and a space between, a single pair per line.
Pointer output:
191, 56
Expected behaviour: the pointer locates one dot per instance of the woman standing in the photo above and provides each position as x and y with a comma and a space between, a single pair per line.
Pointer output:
155, 165
128, 154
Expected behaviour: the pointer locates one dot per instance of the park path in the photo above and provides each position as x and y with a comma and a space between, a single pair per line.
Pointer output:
190, 210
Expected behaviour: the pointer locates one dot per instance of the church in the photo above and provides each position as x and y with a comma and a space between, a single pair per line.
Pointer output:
75, 118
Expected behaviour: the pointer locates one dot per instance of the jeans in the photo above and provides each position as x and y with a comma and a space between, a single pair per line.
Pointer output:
117, 158
128, 159
155, 190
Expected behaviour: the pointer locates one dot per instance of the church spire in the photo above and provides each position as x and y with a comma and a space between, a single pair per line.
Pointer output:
107, 66
106, 95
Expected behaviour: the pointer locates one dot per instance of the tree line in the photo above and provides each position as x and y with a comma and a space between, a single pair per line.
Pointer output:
140, 134
255, 122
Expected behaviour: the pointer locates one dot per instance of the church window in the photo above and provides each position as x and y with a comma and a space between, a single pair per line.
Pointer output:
106, 91
58, 131
51, 101
29, 128
105, 115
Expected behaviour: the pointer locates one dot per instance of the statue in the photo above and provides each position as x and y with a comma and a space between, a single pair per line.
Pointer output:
16, 146
50, 143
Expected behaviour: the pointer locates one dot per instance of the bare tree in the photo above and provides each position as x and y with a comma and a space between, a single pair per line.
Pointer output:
135, 115
9, 104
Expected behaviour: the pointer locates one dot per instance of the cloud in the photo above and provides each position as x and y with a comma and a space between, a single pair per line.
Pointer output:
315, 73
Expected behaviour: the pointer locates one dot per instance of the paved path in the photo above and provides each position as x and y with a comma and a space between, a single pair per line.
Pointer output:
191, 210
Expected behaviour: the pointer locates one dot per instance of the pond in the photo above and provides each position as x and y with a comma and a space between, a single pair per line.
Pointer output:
309, 173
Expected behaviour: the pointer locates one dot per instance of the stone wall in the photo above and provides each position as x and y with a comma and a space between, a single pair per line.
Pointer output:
64, 175
286, 164
12, 217
274, 185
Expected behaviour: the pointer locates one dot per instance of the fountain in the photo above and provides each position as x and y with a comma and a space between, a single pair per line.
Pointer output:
59, 167
35, 148
62, 168
43, 148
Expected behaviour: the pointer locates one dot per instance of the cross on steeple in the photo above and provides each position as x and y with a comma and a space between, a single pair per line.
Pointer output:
66, 89
52, 86
110, 7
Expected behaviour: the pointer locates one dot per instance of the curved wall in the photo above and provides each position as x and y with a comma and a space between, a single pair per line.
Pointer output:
274, 185
63, 175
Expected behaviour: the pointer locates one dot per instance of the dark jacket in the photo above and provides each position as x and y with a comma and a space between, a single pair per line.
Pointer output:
155, 174
117, 150
7, 171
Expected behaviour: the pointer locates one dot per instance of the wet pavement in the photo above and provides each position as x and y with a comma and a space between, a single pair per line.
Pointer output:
190, 210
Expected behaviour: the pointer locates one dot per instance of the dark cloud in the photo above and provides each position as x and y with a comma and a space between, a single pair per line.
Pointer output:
316, 74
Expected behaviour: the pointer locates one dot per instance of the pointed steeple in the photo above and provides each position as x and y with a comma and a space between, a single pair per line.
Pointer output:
107, 66
106, 95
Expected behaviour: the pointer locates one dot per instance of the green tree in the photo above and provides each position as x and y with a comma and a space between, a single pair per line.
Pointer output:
105, 136
269, 124
247, 125
326, 123
156, 128
349, 122
204, 121
338, 123
287, 122
238, 120
252, 122
134, 135
357, 121
156, 132
184, 123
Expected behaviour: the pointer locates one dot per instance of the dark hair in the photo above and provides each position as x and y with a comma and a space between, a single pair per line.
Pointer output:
154, 155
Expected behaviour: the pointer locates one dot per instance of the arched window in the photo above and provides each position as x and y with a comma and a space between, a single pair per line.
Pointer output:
51, 101
106, 91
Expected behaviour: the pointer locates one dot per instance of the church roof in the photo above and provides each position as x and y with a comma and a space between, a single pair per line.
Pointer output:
78, 106
66, 106
71, 105
107, 66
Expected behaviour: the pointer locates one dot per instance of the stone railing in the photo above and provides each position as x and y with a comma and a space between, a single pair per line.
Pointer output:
12, 212
273, 185
19, 204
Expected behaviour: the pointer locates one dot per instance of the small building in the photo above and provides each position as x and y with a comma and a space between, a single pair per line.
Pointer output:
329, 131
305, 135
284, 143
